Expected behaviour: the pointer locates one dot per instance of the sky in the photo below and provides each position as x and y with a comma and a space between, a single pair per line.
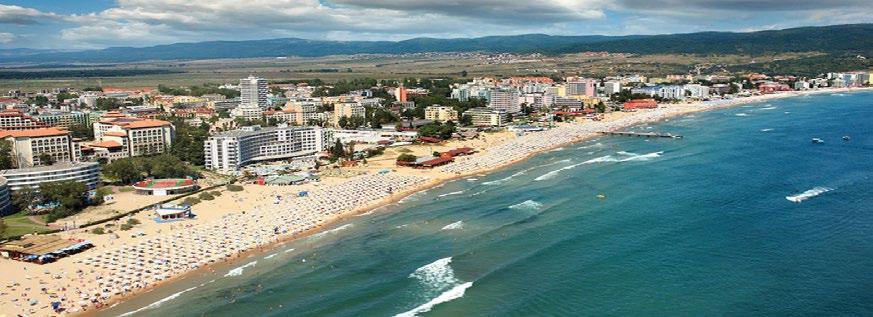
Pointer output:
81, 24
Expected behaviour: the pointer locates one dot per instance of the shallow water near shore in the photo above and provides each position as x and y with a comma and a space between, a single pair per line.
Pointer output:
733, 219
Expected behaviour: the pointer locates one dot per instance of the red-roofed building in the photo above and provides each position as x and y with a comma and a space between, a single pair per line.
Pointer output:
30, 147
17, 120
137, 136
769, 88
640, 104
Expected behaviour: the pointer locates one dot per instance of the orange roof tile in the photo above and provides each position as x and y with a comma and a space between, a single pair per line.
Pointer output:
106, 144
33, 133
115, 133
148, 123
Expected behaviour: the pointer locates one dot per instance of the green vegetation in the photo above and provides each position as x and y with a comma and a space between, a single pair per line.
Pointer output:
82, 131
406, 158
188, 144
438, 130
133, 221
205, 196
234, 188
21, 224
70, 195
132, 169
98, 230
190, 201
81, 73
5, 155
198, 91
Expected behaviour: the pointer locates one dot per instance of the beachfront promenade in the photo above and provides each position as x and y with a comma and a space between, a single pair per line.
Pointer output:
104, 276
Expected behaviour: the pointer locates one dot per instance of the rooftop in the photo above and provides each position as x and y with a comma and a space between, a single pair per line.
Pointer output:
33, 133
57, 166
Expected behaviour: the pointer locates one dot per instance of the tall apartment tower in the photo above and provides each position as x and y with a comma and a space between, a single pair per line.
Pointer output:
253, 92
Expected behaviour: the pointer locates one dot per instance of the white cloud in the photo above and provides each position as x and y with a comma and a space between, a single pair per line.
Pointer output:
11, 14
144, 22
6, 37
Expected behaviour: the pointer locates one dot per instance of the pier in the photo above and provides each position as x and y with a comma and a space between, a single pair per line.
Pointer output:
641, 134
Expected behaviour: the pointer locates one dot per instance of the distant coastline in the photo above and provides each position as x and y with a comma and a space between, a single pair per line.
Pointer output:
665, 111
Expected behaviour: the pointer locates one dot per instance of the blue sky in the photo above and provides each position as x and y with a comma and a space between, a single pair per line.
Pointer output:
77, 24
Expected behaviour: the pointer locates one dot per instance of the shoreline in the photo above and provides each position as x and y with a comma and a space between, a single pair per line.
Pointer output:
666, 111
436, 182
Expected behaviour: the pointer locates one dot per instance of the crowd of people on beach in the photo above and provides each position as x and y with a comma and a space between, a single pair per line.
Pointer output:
121, 270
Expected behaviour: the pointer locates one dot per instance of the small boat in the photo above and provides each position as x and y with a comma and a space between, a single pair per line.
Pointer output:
845, 138
817, 140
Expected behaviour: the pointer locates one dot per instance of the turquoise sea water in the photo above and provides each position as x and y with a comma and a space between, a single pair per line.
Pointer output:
694, 227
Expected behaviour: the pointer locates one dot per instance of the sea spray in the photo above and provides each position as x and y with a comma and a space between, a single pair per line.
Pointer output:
457, 225
158, 303
439, 283
527, 205
815, 191
452, 193
239, 270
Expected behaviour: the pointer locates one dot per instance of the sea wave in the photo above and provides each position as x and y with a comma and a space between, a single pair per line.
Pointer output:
767, 130
239, 270
454, 293
334, 230
505, 179
815, 191
472, 179
158, 303
457, 225
527, 205
271, 256
768, 108
452, 193
595, 145
557, 149
437, 276
741, 114
289, 250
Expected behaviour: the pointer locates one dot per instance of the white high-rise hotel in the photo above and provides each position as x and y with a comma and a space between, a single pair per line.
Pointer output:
253, 92
226, 152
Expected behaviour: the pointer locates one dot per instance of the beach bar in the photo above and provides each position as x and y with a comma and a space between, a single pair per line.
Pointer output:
168, 213
42, 249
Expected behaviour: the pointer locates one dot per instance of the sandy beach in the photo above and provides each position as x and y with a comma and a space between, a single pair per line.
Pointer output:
236, 223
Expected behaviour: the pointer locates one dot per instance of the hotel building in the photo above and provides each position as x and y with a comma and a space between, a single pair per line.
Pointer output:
17, 120
86, 172
484, 117
133, 136
29, 145
440, 113
227, 152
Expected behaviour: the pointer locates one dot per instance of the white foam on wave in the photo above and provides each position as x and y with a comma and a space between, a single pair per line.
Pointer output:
505, 179
815, 191
239, 270
741, 114
158, 303
557, 149
472, 179
331, 231
437, 277
608, 158
271, 256
457, 225
768, 108
454, 293
595, 145
452, 193
527, 205
289, 250
767, 130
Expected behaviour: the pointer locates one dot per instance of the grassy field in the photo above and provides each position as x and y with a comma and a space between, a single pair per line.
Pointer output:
333, 68
19, 224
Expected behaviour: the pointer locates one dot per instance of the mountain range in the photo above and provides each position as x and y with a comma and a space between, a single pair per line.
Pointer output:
850, 38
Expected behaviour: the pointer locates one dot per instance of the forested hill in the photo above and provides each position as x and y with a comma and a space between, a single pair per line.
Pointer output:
853, 38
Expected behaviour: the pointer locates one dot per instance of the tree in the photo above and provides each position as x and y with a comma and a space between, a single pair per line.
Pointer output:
406, 157
70, 195
82, 131
124, 171
5, 155
46, 159
2, 227
23, 198
337, 150
601, 107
